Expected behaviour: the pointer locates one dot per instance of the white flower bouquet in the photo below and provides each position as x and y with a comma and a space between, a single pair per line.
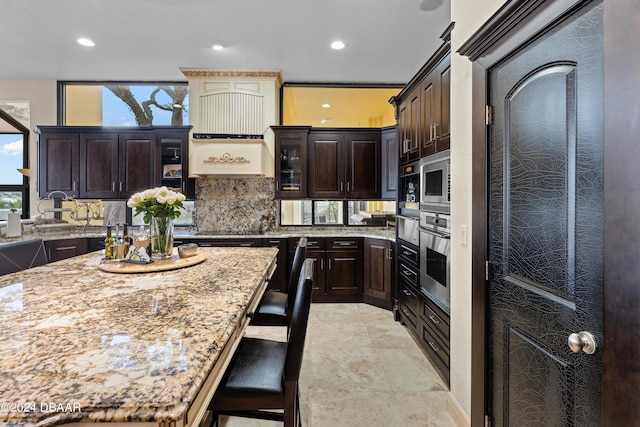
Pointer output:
159, 202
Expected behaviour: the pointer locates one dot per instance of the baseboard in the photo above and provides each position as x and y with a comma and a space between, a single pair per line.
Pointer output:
456, 412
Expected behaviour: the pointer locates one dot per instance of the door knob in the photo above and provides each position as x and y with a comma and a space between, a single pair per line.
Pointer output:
584, 341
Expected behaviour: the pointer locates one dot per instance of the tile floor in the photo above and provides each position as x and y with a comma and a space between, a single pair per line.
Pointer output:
361, 368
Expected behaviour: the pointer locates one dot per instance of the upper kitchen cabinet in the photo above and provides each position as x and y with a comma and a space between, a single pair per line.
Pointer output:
115, 165
422, 107
344, 163
291, 161
58, 161
172, 157
389, 147
107, 162
409, 127
435, 111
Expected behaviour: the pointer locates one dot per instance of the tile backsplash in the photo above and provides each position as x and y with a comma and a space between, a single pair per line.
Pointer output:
238, 205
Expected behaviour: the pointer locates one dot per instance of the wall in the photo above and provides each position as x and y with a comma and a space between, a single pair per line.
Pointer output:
468, 15
41, 95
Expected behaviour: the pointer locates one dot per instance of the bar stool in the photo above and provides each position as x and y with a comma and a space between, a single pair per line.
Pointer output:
263, 375
273, 309
18, 256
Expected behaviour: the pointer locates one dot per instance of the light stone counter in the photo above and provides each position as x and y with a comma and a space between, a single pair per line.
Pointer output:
82, 345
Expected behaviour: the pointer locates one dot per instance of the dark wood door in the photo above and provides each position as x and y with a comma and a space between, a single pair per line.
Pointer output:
429, 105
441, 130
378, 266
326, 165
362, 165
99, 165
280, 279
389, 147
344, 272
58, 163
136, 162
546, 227
291, 161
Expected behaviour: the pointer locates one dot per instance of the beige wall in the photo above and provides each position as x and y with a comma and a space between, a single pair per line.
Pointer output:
41, 95
84, 105
468, 15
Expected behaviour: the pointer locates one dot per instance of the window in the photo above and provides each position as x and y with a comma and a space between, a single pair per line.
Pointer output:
332, 212
123, 103
338, 105
14, 150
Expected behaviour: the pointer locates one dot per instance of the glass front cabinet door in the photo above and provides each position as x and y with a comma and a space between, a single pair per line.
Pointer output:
291, 161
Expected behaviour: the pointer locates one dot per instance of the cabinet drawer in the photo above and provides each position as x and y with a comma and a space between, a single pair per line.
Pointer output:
435, 317
410, 274
312, 243
229, 243
408, 296
409, 253
434, 346
340, 243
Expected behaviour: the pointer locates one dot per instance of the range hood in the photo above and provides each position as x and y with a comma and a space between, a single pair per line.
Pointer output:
232, 112
227, 155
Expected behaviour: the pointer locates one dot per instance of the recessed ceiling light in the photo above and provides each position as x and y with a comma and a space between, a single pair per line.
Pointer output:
86, 42
427, 5
337, 45
218, 45
326, 105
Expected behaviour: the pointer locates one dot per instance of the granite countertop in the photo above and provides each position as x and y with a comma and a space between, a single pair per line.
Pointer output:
388, 233
88, 340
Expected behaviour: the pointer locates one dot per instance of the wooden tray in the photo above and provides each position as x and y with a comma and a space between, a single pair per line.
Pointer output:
172, 263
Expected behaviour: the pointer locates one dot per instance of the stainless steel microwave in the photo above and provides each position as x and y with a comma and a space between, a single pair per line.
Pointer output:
435, 182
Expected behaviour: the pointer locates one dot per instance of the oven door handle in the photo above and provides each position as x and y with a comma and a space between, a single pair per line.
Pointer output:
436, 233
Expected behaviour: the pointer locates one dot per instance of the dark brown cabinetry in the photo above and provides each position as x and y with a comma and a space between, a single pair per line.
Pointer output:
109, 162
389, 156
65, 248
409, 127
435, 111
422, 109
115, 165
433, 332
408, 284
280, 279
291, 161
344, 163
339, 268
378, 272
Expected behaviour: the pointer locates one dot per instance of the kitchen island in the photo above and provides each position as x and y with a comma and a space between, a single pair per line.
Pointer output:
80, 345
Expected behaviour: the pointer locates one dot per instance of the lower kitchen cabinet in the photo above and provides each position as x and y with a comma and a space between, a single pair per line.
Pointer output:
424, 319
280, 279
65, 248
378, 272
339, 268
408, 284
433, 330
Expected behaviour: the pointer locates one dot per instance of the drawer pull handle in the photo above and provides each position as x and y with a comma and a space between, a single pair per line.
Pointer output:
433, 319
345, 243
433, 346
406, 312
407, 293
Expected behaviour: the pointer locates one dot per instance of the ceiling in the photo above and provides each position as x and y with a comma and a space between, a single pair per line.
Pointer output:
387, 41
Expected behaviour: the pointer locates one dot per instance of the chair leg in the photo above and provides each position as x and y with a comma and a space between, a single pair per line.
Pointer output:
290, 404
298, 408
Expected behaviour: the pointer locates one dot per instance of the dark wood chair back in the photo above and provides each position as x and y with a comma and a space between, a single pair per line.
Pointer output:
296, 268
299, 321
18, 256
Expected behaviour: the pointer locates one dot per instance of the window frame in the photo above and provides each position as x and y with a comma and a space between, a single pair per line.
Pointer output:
61, 116
24, 187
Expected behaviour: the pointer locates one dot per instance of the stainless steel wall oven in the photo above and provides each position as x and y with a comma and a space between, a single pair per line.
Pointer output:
435, 240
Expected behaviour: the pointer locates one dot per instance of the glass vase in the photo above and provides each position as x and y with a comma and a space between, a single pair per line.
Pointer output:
161, 237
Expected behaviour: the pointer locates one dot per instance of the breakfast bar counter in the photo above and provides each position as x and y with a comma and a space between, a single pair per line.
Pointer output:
80, 345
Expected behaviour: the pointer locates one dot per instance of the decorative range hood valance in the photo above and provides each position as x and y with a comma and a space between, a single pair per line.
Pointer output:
227, 156
231, 112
